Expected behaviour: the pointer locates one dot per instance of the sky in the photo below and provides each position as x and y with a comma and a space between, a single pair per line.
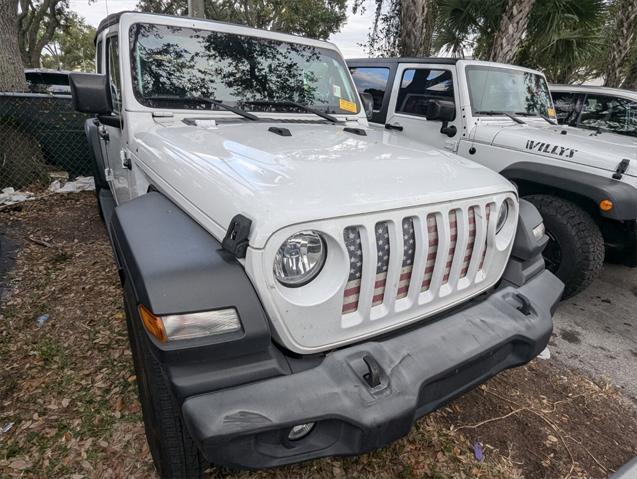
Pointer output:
352, 34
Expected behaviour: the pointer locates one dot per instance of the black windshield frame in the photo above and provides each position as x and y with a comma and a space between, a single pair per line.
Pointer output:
338, 93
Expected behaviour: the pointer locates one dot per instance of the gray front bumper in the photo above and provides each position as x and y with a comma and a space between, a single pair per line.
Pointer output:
420, 368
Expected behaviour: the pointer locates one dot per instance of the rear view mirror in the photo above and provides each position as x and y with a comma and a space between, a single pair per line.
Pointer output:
441, 110
368, 104
91, 93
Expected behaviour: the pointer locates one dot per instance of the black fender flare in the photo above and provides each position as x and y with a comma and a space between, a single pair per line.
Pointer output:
594, 187
174, 266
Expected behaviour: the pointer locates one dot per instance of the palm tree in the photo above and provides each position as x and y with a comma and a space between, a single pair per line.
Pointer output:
511, 31
561, 37
466, 26
630, 82
413, 14
621, 42
565, 39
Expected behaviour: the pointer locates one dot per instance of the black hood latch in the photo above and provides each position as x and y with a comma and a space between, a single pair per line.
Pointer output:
236, 240
621, 169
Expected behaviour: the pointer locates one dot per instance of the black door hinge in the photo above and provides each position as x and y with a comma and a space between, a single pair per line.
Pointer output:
236, 240
621, 169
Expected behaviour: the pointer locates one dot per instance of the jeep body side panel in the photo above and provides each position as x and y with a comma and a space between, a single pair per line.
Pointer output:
594, 187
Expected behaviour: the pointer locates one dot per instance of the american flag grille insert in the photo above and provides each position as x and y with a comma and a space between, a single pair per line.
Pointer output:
352, 238
432, 233
470, 242
490, 207
453, 241
409, 251
463, 255
382, 262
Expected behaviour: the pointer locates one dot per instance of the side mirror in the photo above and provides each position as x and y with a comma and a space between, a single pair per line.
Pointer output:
441, 110
91, 93
368, 104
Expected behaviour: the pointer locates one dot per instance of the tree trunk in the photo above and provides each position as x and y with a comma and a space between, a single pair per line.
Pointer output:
413, 15
11, 69
621, 42
630, 82
429, 28
511, 31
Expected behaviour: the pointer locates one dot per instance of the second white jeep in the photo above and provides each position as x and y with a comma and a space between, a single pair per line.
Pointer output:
502, 116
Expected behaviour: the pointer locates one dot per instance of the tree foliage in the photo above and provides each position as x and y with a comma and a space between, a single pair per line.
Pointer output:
622, 35
570, 40
389, 36
311, 18
38, 21
71, 47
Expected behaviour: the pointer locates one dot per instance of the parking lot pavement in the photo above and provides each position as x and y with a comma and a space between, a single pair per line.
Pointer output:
597, 330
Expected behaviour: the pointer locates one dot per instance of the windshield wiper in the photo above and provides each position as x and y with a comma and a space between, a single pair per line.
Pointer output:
547, 119
201, 99
536, 113
295, 105
504, 113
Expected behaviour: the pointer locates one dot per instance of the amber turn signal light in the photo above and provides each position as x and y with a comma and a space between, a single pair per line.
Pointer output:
153, 324
606, 205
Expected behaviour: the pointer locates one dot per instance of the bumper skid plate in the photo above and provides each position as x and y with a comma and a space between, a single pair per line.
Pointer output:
367, 395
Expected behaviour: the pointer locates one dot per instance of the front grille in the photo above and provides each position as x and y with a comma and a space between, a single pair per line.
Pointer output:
416, 259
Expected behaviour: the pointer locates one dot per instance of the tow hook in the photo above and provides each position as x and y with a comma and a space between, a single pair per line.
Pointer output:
525, 305
372, 377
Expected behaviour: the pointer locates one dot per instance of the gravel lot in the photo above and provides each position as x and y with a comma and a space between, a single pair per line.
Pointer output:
596, 330
68, 399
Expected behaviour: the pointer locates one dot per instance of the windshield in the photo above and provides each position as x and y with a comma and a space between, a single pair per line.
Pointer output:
493, 90
170, 63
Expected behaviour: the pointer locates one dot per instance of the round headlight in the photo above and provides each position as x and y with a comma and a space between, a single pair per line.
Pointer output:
300, 259
502, 216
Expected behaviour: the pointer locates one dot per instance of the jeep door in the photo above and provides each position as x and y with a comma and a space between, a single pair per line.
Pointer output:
112, 126
415, 86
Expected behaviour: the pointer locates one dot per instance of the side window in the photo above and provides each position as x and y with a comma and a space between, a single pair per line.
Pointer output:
595, 111
565, 105
372, 80
418, 86
623, 117
113, 73
611, 114
98, 57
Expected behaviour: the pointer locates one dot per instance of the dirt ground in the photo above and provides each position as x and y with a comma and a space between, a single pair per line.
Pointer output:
68, 399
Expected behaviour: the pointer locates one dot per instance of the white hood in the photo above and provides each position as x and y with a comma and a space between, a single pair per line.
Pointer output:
586, 147
319, 172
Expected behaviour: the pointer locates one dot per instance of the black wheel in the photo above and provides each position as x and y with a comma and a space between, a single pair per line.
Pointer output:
575, 251
174, 453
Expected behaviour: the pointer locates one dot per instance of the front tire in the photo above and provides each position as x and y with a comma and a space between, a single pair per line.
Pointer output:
575, 252
175, 454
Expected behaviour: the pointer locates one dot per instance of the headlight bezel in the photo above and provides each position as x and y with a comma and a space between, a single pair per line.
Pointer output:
503, 216
314, 270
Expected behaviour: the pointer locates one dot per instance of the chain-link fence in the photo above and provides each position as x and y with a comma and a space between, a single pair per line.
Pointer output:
41, 136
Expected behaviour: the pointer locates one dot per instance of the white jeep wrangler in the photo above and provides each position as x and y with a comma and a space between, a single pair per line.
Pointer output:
502, 116
297, 284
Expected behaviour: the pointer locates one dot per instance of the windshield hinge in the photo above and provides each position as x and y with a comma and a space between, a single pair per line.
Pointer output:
621, 169
236, 240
